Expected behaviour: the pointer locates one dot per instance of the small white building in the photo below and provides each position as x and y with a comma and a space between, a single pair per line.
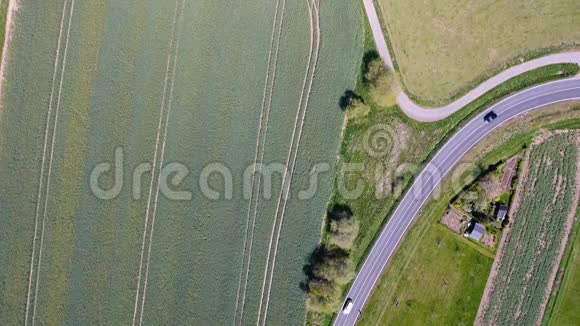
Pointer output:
475, 231
501, 213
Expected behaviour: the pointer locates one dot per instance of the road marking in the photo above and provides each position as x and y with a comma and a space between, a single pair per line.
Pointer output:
389, 237
162, 109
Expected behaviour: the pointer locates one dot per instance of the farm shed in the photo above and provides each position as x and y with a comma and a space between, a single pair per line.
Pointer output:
475, 231
501, 213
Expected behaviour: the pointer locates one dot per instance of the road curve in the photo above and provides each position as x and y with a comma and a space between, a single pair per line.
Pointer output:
377, 31
431, 114
431, 176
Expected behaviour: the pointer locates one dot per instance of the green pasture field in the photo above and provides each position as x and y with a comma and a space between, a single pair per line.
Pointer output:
538, 227
445, 48
116, 65
438, 279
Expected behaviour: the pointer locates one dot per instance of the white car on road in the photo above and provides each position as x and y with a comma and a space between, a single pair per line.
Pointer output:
347, 306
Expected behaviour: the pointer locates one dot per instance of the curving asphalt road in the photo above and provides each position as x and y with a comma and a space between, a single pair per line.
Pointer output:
431, 114
430, 177
419, 113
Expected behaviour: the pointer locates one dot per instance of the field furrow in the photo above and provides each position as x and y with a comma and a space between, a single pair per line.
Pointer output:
285, 185
260, 143
32, 300
167, 202
169, 104
315, 26
161, 139
530, 256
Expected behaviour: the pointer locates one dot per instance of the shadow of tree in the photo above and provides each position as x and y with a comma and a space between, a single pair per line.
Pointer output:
346, 99
321, 252
368, 57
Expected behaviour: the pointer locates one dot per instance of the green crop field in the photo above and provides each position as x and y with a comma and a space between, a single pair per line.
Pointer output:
523, 279
210, 86
444, 48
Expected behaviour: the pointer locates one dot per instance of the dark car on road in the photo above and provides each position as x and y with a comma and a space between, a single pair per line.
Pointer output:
490, 116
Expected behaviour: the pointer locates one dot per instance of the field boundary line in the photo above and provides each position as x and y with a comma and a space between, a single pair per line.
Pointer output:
155, 204
316, 5
157, 141
266, 83
43, 161
285, 184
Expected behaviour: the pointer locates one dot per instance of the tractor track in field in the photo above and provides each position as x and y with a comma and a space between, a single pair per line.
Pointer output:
174, 39
314, 15
260, 145
43, 163
156, 202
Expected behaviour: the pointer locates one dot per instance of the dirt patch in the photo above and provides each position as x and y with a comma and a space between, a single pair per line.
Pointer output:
488, 240
492, 186
398, 138
455, 220
510, 172
13, 6
559, 184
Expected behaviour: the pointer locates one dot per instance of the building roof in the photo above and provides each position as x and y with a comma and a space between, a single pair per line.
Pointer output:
502, 212
477, 232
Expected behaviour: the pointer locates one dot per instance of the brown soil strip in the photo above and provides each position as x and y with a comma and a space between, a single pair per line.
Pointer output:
13, 7
510, 172
454, 220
